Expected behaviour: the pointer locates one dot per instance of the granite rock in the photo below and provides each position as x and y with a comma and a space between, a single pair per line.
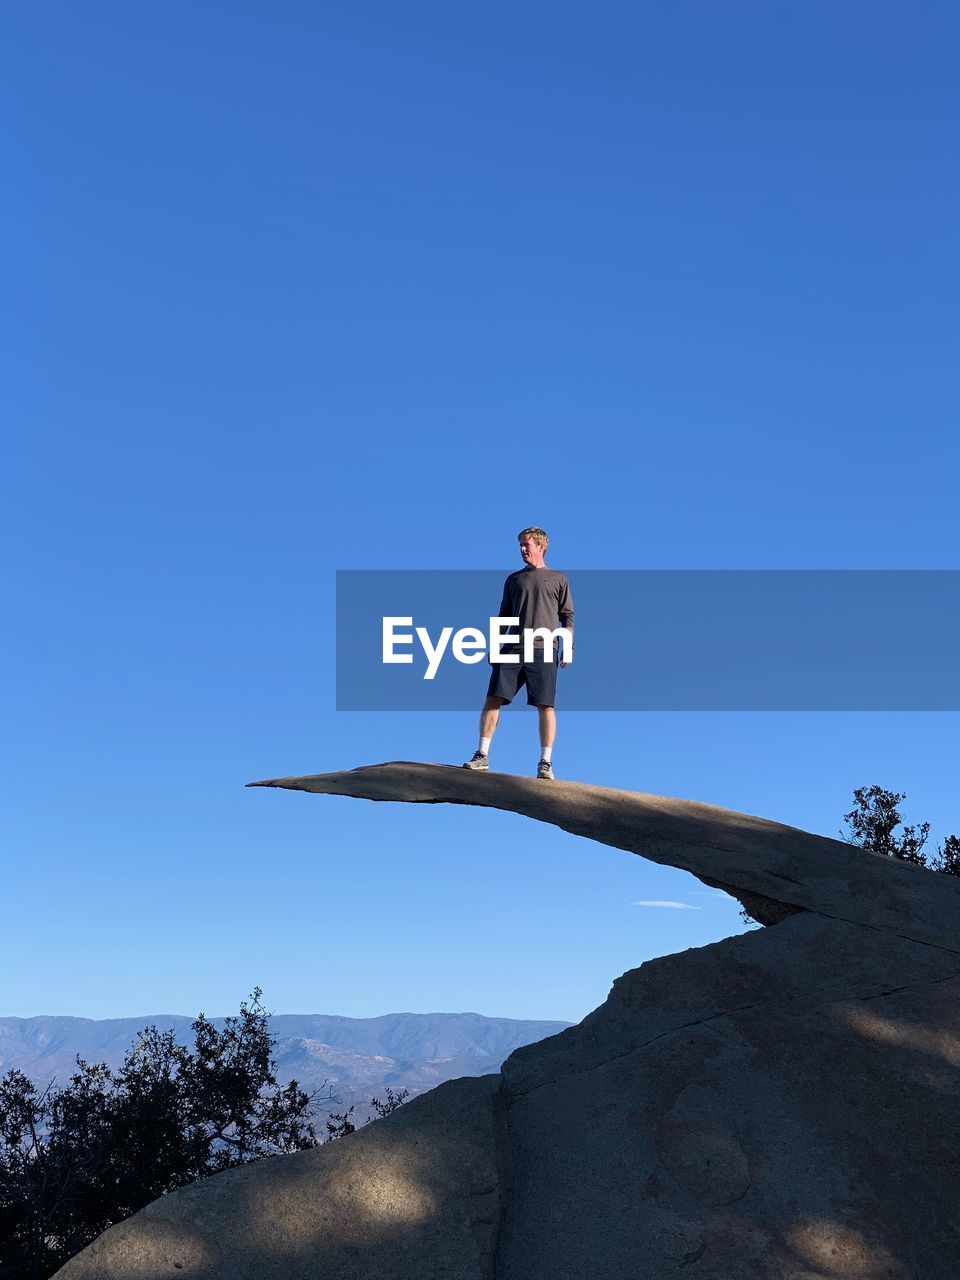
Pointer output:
777, 1106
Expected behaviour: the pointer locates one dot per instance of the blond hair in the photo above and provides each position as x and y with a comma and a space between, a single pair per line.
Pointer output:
538, 535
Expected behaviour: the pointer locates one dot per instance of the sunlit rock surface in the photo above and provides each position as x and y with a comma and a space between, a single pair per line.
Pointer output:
778, 1105
421, 1184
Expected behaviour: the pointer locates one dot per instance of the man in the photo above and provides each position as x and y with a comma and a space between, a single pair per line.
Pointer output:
539, 597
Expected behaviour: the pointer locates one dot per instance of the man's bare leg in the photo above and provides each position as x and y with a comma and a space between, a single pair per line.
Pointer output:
489, 717
548, 731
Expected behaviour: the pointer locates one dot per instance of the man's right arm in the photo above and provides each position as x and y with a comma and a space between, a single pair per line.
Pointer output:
565, 614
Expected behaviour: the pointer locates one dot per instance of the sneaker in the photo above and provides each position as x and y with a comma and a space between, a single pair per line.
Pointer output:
545, 770
477, 761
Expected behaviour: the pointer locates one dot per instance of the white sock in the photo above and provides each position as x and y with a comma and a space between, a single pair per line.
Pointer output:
485, 745
546, 753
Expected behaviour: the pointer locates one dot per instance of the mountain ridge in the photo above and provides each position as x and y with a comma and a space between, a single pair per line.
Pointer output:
351, 1058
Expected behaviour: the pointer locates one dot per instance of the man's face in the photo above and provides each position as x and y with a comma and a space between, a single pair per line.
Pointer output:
532, 552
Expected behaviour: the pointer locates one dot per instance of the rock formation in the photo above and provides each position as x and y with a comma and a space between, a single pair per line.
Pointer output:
779, 1106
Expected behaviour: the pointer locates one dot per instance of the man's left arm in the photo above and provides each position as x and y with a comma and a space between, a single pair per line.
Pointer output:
565, 614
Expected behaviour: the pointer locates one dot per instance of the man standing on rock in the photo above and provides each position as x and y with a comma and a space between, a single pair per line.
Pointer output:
539, 597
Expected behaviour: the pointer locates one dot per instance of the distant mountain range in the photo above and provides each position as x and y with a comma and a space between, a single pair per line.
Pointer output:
352, 1059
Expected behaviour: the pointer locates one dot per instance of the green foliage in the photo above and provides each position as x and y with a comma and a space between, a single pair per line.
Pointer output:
77, 1159
390, 1103
948, 857
340, 1123
874, 818
871, 824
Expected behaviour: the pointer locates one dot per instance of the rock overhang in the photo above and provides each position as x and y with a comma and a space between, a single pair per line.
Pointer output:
774, 870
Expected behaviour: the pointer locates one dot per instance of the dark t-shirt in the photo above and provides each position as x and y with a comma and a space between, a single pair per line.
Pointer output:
539, 598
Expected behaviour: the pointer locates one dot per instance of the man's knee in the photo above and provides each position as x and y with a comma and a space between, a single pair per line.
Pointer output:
494, 703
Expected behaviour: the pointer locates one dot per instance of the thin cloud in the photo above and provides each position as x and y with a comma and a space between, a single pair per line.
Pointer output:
662, 902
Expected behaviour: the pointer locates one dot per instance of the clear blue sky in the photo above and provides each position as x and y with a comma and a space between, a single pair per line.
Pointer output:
297, 287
